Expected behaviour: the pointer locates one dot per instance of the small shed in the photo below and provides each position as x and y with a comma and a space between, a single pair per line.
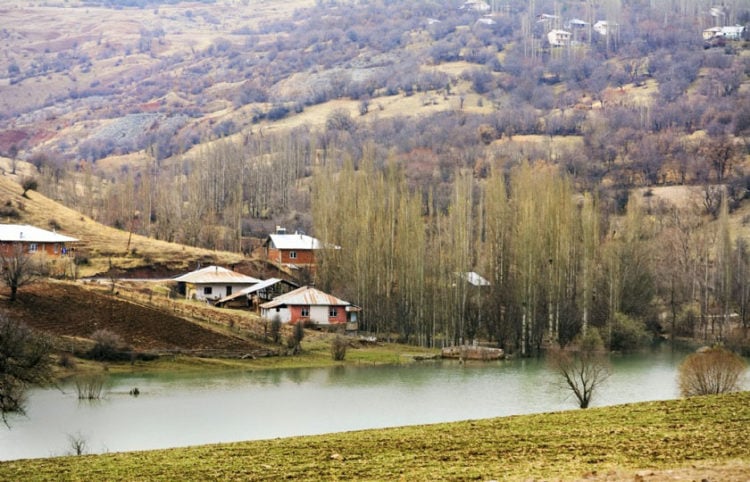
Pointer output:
212, 283
257, 294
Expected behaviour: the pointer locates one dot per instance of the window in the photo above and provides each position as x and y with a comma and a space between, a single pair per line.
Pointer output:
292, 255
229, 290
56, 248
333, 312
32, 247
208, 290
305, 312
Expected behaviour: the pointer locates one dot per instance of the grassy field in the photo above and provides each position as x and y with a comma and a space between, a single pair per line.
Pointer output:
689, 439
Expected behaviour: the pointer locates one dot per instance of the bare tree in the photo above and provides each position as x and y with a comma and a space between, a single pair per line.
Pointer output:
583, 366
17, 267
24, 361
710, 372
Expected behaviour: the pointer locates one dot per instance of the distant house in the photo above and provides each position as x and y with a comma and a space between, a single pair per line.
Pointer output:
307, 304
602, 27
727, 33
33, 240
577, 23
559, 38
474, 279
212, 283
475, 6
257, 294
291, 249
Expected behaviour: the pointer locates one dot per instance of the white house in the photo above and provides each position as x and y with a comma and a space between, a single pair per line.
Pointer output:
212, 283
559, 38
307, 304
733, 32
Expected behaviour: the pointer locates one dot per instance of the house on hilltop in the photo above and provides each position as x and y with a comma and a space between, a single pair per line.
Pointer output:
33, 240
212, 283
307, 304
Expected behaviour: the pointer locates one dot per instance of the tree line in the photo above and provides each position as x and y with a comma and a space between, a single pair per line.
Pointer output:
557, 261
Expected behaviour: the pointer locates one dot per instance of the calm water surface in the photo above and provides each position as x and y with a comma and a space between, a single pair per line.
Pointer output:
174, 411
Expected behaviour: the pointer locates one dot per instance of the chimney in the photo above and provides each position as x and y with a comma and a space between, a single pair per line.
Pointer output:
280, 230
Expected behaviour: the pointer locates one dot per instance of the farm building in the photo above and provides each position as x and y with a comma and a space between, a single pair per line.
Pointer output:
212, 283
307, 304
33, 240
257, 294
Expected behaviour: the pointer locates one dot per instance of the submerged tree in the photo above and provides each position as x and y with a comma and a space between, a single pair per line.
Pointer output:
24, 361
582, 365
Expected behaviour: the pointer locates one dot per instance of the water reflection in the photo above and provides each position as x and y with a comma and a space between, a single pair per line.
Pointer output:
179, 410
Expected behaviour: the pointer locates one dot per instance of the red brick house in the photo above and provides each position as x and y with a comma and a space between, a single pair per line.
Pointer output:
291, 249
33, 240
307, 304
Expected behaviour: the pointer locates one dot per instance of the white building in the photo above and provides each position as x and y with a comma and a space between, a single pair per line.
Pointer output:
212, 283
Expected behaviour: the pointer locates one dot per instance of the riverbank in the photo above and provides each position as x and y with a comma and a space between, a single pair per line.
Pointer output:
315, 353
702, 437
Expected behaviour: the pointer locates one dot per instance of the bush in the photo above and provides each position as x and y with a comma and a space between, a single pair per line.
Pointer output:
109, 346
710, 372
338, 348
628, 334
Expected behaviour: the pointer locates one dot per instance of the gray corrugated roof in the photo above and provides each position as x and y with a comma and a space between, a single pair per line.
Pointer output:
216, 274
31, 234
256, 287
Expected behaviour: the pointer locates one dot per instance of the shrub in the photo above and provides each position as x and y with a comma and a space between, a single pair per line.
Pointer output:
338, 348
109, 346
275, 329
628, 333
8, 211
709, 372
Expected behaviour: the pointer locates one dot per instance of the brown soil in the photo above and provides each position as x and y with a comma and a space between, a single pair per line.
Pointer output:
72, 310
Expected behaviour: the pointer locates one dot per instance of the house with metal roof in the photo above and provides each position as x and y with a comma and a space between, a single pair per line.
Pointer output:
291, 249
212, 283
308, 304
33, 240
257, 294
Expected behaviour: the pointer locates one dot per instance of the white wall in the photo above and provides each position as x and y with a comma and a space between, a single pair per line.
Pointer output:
284, 314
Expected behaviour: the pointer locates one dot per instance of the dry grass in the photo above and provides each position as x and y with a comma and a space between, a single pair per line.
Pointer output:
104, 246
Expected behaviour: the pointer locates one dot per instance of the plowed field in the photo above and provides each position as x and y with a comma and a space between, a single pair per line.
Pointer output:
66, 309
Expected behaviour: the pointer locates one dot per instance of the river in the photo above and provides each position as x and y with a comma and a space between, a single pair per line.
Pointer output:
182, 410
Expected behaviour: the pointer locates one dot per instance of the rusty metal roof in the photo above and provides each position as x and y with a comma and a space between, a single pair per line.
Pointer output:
216, 275
305, 296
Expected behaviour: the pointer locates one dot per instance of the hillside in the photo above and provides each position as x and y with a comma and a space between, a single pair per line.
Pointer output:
702, 438
146, 328
101, 247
